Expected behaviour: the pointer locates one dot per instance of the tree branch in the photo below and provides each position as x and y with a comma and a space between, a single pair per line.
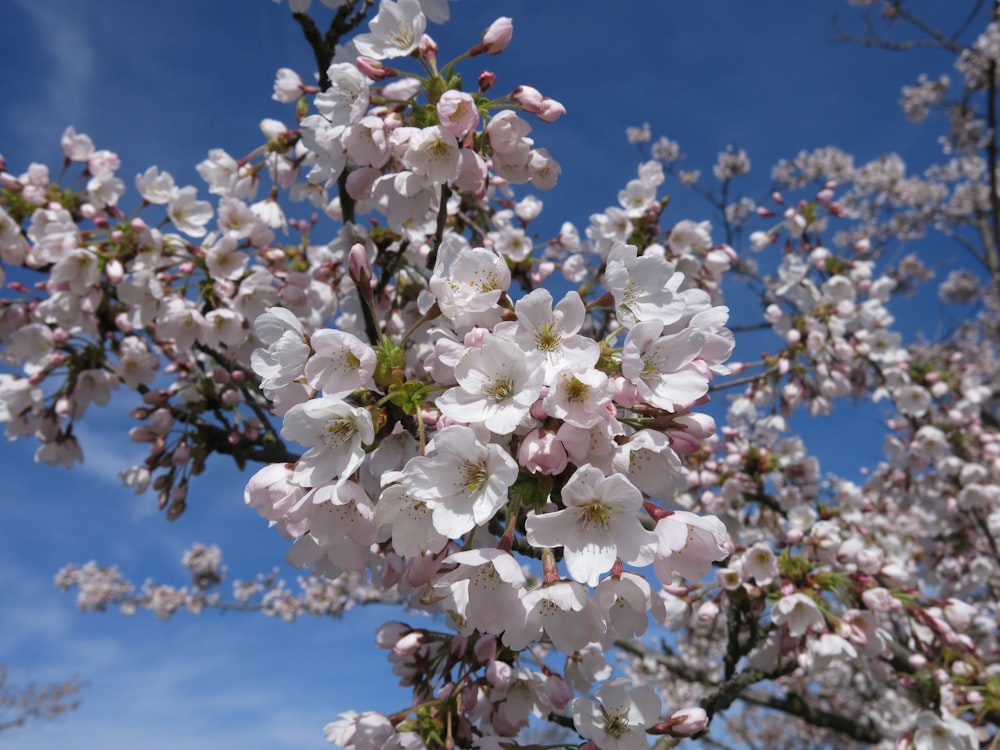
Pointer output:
793, 705
729, 691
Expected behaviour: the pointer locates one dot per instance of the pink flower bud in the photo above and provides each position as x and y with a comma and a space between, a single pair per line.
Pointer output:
496, 37
115, 271
409, 644
551, 111
428, 48
420, 570
375, 69
141, 435
542, 453
357, 262
390, 632
156, 397
161, 421
181, 454
559, 692
486, 649
687, 722
529, 98
486, 80
702, 426
879, 599
498, 674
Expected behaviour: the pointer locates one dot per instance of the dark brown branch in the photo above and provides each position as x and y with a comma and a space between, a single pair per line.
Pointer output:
969, 20
216, 440
442, 219
743, 381
734, 621
348, 17
729, 691
993, 246
746, 327
563, 721
936, 40
935, 34
853, 726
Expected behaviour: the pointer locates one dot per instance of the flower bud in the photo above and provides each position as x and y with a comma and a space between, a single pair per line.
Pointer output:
529, 98
357, 262
115, 271
409, 644
486, 649
374, 69
499, 674
551, 111
688, 722
496, 36
559, 692
428, 48
486, 80
389, 633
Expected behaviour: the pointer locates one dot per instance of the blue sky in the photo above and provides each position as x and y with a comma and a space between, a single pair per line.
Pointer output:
162, 84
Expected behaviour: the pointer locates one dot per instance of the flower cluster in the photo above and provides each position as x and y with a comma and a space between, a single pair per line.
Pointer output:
512, 433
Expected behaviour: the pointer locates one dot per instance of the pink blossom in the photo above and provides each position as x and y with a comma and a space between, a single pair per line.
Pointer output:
457, 112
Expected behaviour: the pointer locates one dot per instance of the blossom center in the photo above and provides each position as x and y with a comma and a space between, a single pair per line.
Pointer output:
351, 361
402, 39
439, 150
576, 391
488, 282
547, 340
475, 476
652, 365
596, 514
340, 431
615, 725
500, 390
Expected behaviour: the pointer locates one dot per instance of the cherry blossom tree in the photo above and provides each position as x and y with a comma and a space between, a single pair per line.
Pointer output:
510, 432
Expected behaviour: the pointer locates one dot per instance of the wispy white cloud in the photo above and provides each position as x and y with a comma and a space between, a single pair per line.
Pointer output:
61, 37
205, 685
106, 451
